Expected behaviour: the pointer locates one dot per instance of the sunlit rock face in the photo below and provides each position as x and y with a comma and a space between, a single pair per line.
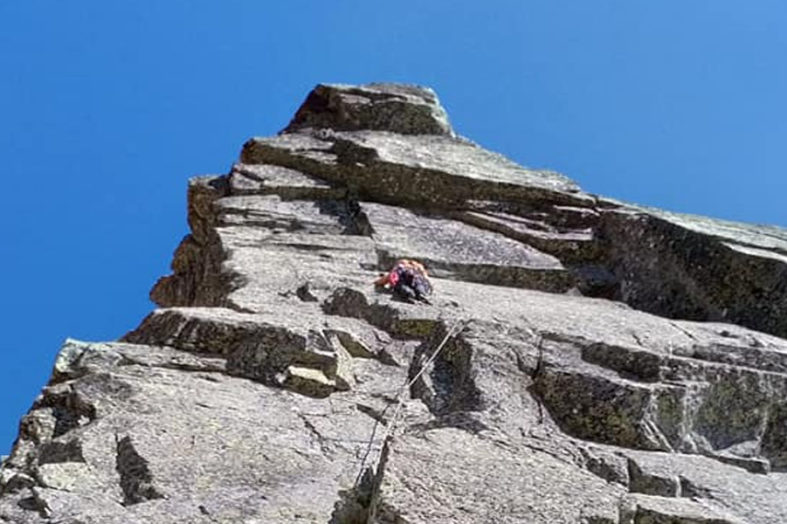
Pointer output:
582, 360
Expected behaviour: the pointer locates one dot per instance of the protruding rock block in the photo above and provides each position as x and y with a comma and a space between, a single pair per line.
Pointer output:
397, 108
644, 509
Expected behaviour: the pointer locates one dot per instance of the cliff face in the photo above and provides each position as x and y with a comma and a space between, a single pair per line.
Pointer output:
582, 361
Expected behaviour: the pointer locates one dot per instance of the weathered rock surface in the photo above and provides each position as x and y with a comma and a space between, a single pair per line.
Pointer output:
582, 360
409, 110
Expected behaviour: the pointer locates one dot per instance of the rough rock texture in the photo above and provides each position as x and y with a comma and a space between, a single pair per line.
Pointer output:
582, 361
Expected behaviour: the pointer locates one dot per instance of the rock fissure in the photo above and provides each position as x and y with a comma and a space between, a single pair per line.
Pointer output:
136, 480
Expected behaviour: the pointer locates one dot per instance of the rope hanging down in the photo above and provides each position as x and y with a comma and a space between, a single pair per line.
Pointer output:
391, 426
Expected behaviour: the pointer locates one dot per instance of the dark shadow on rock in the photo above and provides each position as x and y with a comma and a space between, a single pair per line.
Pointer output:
136, 481
349, 214
451, 386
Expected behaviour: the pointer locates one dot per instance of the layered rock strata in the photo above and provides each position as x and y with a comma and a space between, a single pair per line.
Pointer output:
583, 360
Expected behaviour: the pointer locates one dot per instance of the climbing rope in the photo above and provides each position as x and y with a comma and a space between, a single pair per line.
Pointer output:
391, 426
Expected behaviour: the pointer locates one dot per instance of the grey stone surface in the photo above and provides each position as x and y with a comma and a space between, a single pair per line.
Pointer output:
581, 361
695, 268
406, 109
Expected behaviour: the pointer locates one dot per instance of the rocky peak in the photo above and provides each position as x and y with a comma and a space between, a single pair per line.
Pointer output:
397, 108
582, 360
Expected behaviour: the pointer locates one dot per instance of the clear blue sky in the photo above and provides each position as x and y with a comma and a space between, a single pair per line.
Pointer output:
107, 107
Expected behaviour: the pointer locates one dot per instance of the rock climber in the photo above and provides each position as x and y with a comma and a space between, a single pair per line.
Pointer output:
408, 280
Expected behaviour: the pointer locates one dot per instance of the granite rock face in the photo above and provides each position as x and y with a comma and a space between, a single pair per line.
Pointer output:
582, 360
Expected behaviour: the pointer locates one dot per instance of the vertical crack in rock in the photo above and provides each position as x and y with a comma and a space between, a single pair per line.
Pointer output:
448, 386
136, 481
363, 503
325, 448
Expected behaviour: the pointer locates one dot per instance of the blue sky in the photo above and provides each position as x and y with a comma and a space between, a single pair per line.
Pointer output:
106, 108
